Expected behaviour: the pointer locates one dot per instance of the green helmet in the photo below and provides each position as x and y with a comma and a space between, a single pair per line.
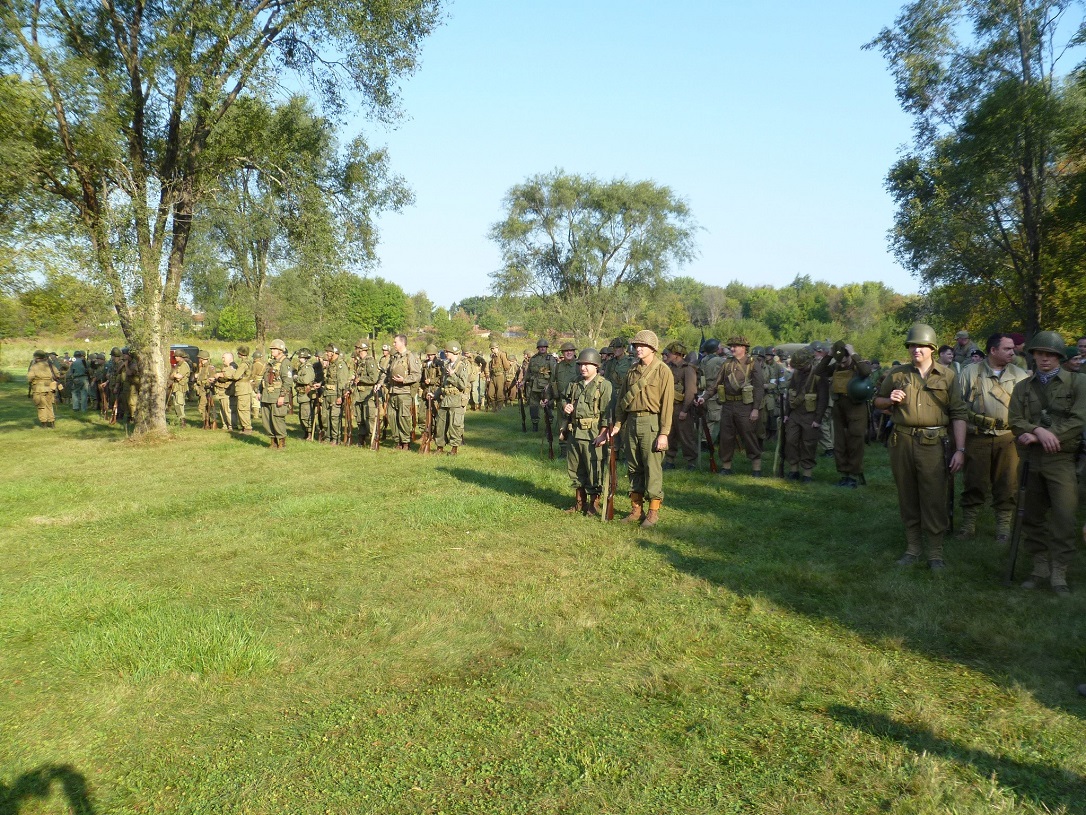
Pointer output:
646, 337
802, 358
758, 351
860, 389
1048, 341
590, 356
710, 346
542, 343
922, 334
452, 347
431, 349
567, 346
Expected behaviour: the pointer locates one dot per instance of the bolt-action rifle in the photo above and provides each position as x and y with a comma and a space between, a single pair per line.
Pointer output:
523, 418
948, 454
348, 418
1019, 518
427, 431
703, 418
612, 478
778, 456
375, 431
548, 417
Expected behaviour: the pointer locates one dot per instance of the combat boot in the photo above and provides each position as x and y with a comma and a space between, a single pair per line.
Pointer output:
452, 452
912, 548
653, 515
935, 553
969, 523
274, 444
283, 443
1059, 579
1040, 573
637, 502
578, 505
440, 451
535, 427
594, 510
1004, 525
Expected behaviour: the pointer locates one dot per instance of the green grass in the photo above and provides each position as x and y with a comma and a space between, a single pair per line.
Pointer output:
208, 626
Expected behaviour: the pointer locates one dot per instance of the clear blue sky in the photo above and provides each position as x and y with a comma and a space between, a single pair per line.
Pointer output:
768, 119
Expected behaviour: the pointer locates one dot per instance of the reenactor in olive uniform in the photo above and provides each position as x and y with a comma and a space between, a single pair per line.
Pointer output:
131, 375
808, 394
240, 376
821, 351
566, 372
430, 385
179, 385
256, 376
740, 389
684, 423
366, 376
478, 382
963, 349
924, 403
850, 415
710, 370
275, 388
499, 377
538, 380
772, 372
79, 381
991, 457
404, 370
646, 404
204, 383
586, 409
1048, 415
96, 375
306, 391
451, 398
337, 380
385, 358
41, 380
223, 379
618, 366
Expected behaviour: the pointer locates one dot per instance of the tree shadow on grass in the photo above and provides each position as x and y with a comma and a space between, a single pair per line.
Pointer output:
1046, 786
38, 784
510, 485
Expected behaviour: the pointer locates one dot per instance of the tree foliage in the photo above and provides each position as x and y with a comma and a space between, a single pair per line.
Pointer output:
577, 242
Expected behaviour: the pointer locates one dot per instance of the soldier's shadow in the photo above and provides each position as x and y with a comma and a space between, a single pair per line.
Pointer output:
510, 485
38, 785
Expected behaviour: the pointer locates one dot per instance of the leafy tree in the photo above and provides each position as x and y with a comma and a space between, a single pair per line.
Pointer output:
234, 324
578, 242
975, 197
133, 93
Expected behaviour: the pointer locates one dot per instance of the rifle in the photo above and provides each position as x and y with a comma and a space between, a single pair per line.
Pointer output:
375, 435
947, 455
704, 415
548, 417
348, 419
427, 433
523, 418
103, 399
612, 479
210, 419
414, 418
778, 456
116, 405
1019, 517
317, 429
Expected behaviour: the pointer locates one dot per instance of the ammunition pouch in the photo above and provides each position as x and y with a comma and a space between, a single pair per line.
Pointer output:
810, 402
748, 394
924, 435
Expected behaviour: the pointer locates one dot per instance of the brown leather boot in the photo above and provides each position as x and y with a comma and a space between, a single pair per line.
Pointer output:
283, 443
452, 452
578, 506
653, 515
441, 451
594, 510
637, 501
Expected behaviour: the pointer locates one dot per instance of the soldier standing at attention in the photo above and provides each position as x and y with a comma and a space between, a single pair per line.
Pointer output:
991, 458
404, 370
1047, 415
585, 411
337, 379
179, 385
771, 381
256, 376
566, 372
499, 374
223, 379
451, 399
242, 402
275, 395
738, 386
366, 376
41, 386
710, 370
808, 394
850, 416
305, 387
538, 379
684, 422
645, 403
203, 383
924, 402
79, 376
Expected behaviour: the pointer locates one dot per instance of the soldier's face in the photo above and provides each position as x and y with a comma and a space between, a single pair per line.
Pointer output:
1046, 361
569, 354
399, 346
1082, 347
588, 370
738, 351
921, 354
947, 356
644, 352
1003, 353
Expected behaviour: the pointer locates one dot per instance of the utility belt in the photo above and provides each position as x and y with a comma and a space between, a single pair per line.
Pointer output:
585, 424
924, 435
746, 396
726, 398
636, 413
449, 390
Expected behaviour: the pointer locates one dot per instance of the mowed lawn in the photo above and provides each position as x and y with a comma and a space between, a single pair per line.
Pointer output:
205, 625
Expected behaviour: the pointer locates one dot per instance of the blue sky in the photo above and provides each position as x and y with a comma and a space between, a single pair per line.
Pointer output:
768, 119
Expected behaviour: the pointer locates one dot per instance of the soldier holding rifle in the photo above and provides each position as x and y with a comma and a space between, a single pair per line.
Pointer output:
306, 392
366, 375
1047, 415
585, 409
923, 401
337, 379
808, 394
275, 385
451, 399
404, 370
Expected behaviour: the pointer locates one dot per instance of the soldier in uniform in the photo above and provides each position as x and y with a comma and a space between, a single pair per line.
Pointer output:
404, 370
41, 380
1048, 415
223, 379
538, 379
79, 377
256, 376
645, 403
821, 352
241, 381
306, 391
618, 366
430, 385
131, 374
451, 398
477, 399
739, 388
203, 384
808, 394
275, 395
585, 413
772, 372
179, 385
924, 403
366, 376
337, 379
991, 458
710, 370
684, 427
500, 373
96, 376
566, 372
963, 349
386, 358
850, 417
1020, 351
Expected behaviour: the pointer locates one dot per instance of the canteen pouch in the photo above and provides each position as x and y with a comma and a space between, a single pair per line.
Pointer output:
810, 402
748, 394
721, 392
932, 436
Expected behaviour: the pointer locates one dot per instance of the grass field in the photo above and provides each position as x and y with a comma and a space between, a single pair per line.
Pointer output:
207, 626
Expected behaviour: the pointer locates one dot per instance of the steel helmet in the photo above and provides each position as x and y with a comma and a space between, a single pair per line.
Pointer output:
860, 388
646, 337
922, 334
1048, 341
590, 356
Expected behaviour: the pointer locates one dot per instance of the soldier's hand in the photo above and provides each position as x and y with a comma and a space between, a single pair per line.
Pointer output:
897, 396
601, 439
815, 425
339, 401
682, 415
661, 443
754, 415
279, 402
1049, 441
699, 401
957, 461
568, 409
